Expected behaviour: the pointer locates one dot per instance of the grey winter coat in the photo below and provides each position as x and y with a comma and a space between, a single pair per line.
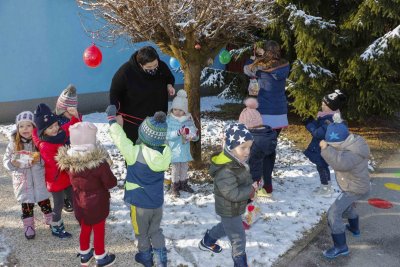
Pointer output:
232, 185
28, 183
349, 160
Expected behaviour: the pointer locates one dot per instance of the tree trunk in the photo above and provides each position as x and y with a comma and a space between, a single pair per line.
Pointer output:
192, 72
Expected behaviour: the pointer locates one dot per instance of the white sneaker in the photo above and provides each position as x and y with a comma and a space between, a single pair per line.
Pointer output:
324, 191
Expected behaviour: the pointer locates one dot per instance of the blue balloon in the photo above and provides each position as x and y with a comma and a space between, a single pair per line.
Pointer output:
174, 63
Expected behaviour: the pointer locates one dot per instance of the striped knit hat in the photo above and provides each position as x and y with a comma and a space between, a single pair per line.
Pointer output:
68, 98
153, 130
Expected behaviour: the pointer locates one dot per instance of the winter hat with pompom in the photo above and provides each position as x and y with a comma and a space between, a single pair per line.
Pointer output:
43, 118
180, 101
83, 136
335, 100
235, 135
336, 131
24, 116
250, 115
68, 98
153, 130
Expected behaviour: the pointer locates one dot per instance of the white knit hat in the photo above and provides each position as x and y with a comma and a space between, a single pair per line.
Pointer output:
25, 116
83, 135
180, 101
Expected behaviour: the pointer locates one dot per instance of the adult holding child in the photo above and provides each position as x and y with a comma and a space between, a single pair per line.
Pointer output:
271, 72
140, 88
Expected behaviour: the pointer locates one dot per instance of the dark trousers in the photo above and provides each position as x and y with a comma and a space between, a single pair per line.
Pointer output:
324, 174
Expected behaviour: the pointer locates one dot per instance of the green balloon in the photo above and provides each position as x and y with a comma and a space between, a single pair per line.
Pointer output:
225, 57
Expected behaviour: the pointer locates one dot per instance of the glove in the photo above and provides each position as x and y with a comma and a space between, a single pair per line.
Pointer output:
308, 120
111, 112
183, 131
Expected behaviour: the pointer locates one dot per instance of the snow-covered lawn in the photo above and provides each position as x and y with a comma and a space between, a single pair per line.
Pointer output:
284, 218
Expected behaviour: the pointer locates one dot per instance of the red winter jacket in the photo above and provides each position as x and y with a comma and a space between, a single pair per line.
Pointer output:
56, 180
91, 177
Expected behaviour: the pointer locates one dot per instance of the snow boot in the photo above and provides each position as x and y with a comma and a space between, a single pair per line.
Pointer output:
68, 208
240, 261
105, 260
353, 227
58, 229
186, 187
175, 189
339, 246
86, 256
208, 243
48, 218
29, 227
160, 256
145, 258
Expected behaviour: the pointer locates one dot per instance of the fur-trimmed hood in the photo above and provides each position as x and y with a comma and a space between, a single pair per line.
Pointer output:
79, 162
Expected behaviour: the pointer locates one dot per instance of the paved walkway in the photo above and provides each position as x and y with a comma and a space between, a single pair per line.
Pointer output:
379, 244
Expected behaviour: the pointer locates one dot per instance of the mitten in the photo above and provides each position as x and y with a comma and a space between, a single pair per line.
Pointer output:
111, 112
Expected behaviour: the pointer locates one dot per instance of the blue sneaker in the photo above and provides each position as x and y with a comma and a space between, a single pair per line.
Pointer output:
107, 260
339, 247
86, 257
208, 243
57, 229
145, 258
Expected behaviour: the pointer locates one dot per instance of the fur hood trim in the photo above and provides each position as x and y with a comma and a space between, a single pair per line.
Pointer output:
80, 162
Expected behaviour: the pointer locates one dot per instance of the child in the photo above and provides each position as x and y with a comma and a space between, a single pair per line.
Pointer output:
67, 99
49, 137
331, 104
181, 130
348, 155
144, 186
89, 171
23, 160
232, 188
262, 154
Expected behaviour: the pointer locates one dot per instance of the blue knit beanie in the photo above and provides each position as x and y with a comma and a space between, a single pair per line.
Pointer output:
43, 118
336, 131
236, 134
153, 130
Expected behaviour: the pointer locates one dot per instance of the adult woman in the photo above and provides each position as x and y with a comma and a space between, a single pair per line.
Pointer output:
271, 71
140, 88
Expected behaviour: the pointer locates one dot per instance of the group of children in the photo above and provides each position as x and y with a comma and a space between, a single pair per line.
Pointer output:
50, 155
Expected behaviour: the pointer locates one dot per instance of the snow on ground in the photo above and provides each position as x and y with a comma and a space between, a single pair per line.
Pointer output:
284, 218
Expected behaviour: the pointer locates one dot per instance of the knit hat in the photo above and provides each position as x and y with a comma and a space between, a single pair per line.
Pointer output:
235, 135
153, 130
334, 100
180, 101
24, 116
83, 134
43, 118
68, 98
250, 115
336, 131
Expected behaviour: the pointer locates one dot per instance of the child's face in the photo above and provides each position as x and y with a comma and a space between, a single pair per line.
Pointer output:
25, 129
324, 107
52, 130
178, 112
242, 152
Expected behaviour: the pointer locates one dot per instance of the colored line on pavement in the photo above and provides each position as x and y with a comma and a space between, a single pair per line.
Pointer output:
393, 186
380, 203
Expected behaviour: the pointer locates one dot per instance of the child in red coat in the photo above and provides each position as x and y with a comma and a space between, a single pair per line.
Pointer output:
88, 166
48, 138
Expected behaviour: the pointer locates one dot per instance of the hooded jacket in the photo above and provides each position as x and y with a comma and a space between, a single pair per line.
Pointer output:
232, 185
349, 160
91, 178
139, 94
28, 183
144, 186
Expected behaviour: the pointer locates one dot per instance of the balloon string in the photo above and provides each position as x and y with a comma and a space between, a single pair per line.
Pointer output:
130, 121
130, 116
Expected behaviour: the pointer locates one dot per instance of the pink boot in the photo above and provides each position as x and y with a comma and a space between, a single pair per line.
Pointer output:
48, 218
29, 227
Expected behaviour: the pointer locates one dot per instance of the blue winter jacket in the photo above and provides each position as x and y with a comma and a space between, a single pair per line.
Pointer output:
264, 144
180, 149
271, 97
317, 128
144, 185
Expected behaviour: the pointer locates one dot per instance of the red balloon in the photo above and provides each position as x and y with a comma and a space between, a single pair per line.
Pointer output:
380, 203
92, 56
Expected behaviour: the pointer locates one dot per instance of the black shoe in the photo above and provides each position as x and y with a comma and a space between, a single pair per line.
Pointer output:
68, 206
